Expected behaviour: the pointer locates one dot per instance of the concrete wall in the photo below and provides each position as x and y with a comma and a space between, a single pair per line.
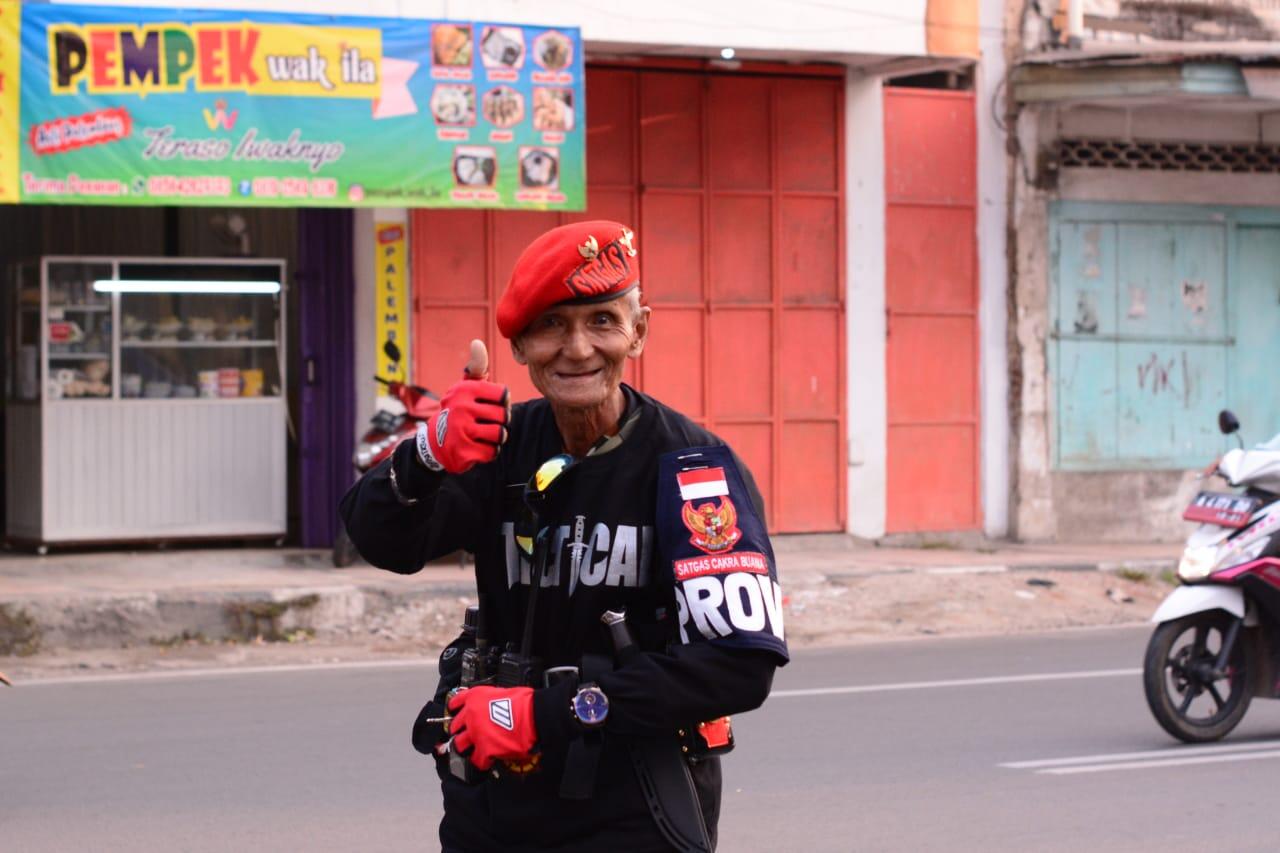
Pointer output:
1033, 517
865, 303
993, 271
1117, 505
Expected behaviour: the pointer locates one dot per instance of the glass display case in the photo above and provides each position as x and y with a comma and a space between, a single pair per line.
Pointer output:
183, 342
22, 374
168, 374
176, 330
77, 340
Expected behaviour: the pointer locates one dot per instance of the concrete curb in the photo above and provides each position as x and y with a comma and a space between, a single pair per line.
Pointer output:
1147, 567
340, 611
111, 621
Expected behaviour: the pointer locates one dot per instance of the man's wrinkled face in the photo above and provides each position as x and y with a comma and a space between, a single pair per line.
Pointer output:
576, 353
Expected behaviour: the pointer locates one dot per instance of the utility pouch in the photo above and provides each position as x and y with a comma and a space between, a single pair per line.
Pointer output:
713, 737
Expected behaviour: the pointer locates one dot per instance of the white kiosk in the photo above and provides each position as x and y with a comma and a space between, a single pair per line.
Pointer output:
146, 400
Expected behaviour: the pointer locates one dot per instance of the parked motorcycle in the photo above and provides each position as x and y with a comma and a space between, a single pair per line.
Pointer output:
1217, 644
386, 430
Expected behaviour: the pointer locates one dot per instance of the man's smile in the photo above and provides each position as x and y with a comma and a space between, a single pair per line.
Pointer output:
578, 374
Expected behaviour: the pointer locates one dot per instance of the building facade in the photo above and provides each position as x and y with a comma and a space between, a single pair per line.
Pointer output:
1144, 186
819, 190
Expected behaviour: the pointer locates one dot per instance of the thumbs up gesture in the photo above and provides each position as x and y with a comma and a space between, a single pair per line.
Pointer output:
472, 422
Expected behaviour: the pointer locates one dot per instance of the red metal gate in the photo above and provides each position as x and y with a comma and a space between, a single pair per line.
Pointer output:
735, 184
932, 303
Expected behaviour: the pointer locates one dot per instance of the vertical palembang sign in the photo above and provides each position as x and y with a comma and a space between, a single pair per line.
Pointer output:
392, 308
134, 105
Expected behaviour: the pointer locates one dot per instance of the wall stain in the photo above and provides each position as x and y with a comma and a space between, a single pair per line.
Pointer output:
1195, 296
1086, 313
1092, 254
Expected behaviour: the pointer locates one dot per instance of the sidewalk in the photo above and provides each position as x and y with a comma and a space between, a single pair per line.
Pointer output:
119, 599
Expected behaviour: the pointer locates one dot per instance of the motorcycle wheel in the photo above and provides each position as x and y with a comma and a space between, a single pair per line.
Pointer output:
344, 550
1184, 693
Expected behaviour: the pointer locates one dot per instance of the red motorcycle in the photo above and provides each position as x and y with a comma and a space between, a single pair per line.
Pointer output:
386, 430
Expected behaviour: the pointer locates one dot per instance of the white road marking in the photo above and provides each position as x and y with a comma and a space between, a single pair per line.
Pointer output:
1170, 762
1155, 754
956, 682
428, 661
168, 675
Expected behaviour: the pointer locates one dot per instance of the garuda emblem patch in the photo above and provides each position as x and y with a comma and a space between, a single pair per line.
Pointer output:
714, 528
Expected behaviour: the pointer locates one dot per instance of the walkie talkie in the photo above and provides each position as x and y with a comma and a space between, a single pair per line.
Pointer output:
479, 666
513, 666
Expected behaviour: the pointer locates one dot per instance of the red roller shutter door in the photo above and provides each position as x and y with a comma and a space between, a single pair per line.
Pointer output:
734, 184
932, 301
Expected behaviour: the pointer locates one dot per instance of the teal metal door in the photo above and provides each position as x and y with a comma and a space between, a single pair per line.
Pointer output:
1160, 317
1255, 372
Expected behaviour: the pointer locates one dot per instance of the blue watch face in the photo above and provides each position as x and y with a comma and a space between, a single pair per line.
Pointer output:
590, 706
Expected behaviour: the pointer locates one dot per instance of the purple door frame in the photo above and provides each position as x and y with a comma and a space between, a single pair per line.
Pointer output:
326, 294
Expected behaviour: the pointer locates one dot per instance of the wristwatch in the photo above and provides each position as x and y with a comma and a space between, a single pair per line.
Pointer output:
590, 707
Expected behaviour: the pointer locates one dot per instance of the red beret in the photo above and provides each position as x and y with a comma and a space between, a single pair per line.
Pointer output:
579, 263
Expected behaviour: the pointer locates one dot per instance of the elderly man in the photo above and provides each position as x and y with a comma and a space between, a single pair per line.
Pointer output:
653, 517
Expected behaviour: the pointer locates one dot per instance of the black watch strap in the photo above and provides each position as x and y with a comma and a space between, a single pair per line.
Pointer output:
583, 757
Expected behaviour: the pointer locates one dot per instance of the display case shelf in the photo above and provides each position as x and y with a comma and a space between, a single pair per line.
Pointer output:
78, 356
127, 344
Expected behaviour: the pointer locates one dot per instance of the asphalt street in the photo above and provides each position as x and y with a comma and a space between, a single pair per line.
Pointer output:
1014, 743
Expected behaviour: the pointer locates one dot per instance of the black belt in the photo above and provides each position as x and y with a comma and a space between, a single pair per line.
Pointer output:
583, 757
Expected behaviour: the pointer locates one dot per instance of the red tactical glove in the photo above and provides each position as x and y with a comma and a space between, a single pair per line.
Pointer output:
491, 723
472, 422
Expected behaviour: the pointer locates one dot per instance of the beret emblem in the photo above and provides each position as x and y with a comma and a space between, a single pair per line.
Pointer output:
603, 268
625, 240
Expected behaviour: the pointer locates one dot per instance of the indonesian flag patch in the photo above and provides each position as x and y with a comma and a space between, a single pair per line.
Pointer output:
702, 483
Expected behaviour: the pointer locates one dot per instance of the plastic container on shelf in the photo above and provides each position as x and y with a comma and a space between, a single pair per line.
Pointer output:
229, 382
253, 382
208, 382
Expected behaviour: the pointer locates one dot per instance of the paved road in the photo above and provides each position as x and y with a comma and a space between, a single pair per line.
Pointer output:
1031, 743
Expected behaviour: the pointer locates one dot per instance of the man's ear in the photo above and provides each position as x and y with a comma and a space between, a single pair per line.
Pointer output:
517, 352
640, 332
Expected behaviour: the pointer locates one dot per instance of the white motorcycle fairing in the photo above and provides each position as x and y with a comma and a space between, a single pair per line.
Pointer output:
1186, 600
1259, 466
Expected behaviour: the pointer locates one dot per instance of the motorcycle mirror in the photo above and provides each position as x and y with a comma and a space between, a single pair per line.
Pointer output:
1228, 422
392, 351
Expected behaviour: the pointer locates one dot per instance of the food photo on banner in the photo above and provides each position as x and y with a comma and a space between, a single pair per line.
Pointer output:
164, 106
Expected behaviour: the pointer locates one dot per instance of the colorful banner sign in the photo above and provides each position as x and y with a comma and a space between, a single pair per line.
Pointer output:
116, 105
391, 310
